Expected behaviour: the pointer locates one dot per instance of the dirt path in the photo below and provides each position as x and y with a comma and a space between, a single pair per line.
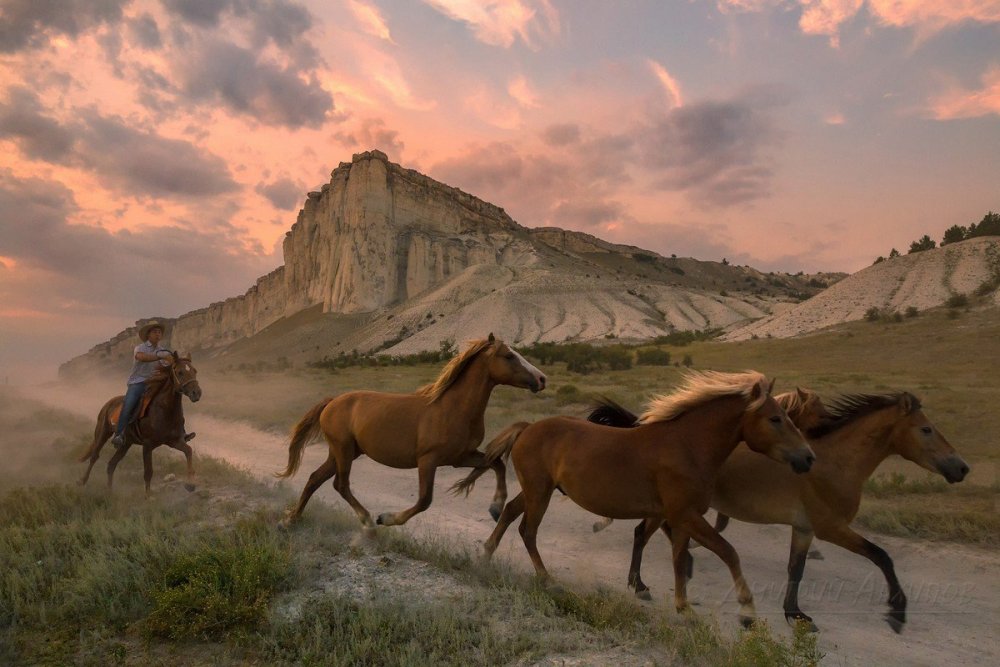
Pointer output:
953, 590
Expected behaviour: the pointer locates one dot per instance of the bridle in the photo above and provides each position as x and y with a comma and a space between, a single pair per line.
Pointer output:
177, 381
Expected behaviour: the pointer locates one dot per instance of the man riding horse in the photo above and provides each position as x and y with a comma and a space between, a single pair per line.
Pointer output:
148, 355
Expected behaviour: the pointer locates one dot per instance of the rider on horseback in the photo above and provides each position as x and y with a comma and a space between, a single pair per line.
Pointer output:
149, 355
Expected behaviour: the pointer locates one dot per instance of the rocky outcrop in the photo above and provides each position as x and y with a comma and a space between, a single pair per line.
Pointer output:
919, 280
381, 238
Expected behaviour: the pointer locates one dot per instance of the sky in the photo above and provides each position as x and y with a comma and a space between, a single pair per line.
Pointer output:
153, 153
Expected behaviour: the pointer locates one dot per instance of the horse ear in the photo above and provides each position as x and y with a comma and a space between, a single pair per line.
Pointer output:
491, 339
755, 392
803, 394
908, 402
770, 387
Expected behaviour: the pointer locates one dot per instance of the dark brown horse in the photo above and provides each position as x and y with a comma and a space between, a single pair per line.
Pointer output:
439, 425
862, 431
663, 469
162, 424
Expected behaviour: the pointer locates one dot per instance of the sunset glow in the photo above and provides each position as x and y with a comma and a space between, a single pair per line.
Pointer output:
153, 153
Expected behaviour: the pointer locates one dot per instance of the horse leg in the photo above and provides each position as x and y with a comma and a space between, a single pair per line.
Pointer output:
688, 559
101, 440
147, 466
695, 526
843, 536
679, 551
113, 463
511, 511
536, 501
643, 531
316, 480
801, 539
477, 460
426, 467
182, 446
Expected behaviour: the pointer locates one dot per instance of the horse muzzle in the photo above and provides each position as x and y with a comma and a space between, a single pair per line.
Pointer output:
538, 384
953, 469
194, 394
801, 461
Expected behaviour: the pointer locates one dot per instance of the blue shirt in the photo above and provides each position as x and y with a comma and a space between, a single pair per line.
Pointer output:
141, 370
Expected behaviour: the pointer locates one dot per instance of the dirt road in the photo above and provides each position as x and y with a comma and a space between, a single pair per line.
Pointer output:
953, 590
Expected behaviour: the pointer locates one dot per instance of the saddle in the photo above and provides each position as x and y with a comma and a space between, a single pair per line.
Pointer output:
154, 385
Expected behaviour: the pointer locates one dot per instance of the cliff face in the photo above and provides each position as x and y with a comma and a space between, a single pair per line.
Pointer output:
382, 240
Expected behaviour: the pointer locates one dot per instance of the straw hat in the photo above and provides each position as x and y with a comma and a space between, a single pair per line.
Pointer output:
147, 327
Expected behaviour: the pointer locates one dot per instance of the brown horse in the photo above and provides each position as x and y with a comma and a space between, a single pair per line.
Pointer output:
162, 424
862, 432
663, 468
441, 424
804, 407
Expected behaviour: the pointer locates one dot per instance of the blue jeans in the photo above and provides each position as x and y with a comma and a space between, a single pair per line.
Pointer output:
133, 395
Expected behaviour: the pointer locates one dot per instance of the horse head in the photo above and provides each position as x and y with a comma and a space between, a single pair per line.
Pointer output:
916, 439
767, 429
185, 376
506, 366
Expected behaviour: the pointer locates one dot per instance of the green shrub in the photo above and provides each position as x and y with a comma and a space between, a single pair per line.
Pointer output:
653, 357
912, 311
873, 314
957, 301
568, 393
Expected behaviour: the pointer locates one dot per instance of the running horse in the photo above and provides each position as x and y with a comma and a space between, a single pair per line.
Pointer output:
663, 469
858, 433
161, 424
441, 424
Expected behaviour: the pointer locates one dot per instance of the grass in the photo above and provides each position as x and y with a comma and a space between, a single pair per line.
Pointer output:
88, 577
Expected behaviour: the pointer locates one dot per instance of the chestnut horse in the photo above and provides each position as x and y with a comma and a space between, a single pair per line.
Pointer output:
862, 431
162, 424
439, 425
804, 407
662, 469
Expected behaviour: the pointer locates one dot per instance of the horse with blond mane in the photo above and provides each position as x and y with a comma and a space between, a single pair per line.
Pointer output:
440, 424
663, 469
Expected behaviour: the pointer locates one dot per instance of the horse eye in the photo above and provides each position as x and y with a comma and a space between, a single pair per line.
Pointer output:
776, 419
926, 430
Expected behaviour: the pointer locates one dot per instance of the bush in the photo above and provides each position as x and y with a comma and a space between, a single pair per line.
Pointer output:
873, 314
912, 311
568, 393
653, 357
957, 301
688, 361
987, 287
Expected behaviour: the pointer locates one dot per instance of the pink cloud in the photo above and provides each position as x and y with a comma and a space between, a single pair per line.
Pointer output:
371, 20
502, 22
961, 103
668, 82
521, 90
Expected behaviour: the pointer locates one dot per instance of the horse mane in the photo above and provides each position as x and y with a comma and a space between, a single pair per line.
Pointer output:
790, 401
698, 388
848, 408
452, 371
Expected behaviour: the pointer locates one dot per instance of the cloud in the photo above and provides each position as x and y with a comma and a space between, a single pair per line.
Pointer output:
202, 13
960, 103
668, 82
31, 24
587, 213
715, 151
371, 19
561, 134
144, 32
124, 158
283, 193
503, 22
825, 17
165, 269
219, 72
521, 90
373, 133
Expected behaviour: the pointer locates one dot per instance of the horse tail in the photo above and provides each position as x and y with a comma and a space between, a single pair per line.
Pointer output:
497, 447
607, 412
102, 418
304, 432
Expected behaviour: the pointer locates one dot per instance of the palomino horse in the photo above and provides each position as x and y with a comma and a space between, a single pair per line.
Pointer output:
162, 424
441, 424
804, 408
863, 432
664, 468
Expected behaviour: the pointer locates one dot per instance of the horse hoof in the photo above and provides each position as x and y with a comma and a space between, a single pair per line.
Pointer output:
748, 622
495, 512
384, 519
896, 621
189, 487
795, 620
644, 594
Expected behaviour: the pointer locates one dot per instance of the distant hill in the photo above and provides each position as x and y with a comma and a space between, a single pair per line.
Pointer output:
383, 258
919, 280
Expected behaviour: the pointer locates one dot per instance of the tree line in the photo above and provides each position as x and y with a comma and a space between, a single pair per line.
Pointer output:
988, 226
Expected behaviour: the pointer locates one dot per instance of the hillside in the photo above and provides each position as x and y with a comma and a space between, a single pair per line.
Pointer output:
383, 258
920, 280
